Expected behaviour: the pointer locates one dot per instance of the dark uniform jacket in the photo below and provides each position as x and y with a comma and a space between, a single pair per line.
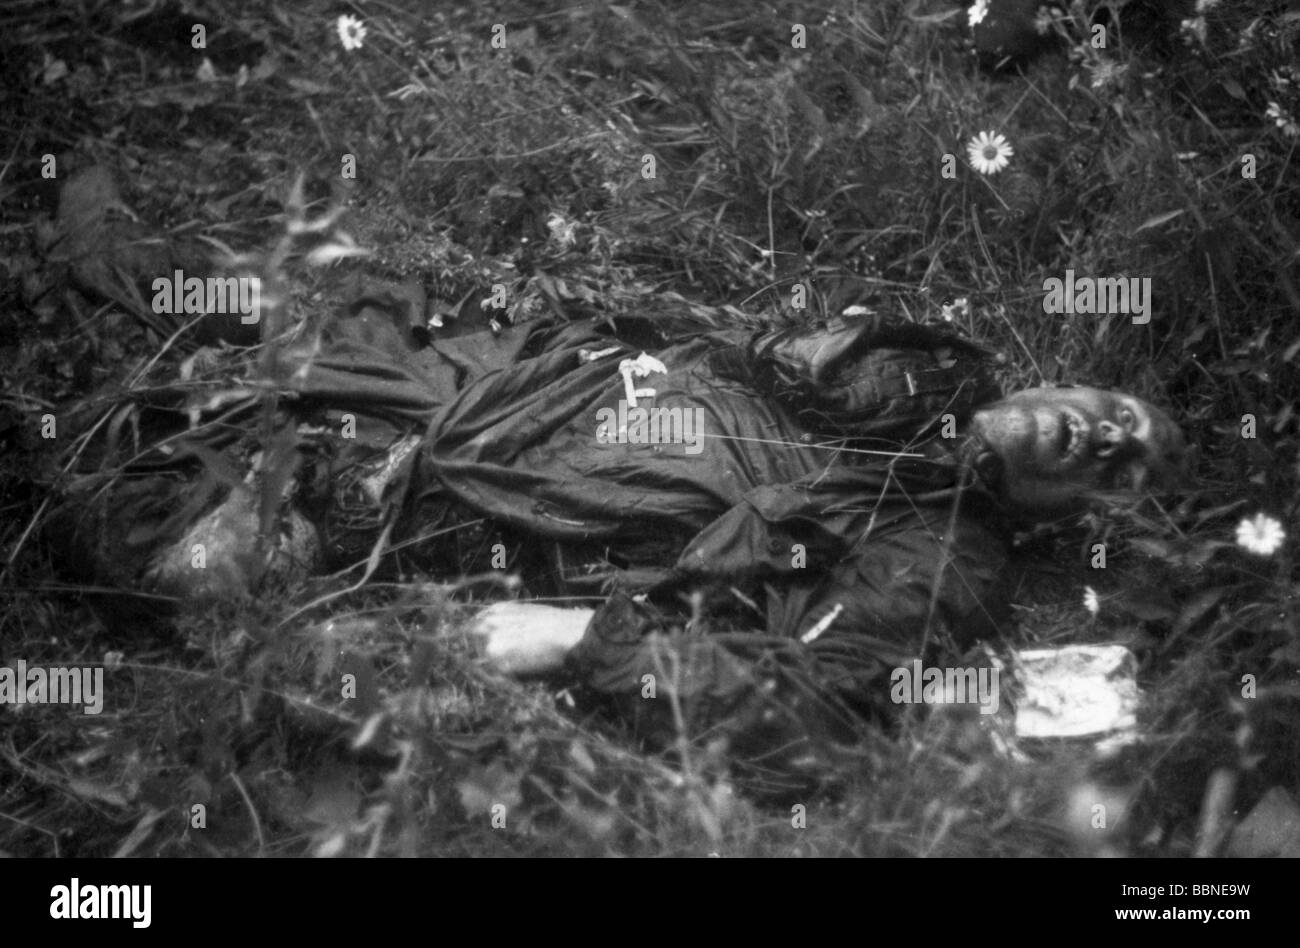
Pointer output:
820, 558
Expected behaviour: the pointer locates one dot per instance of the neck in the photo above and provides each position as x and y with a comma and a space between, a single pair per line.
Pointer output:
972, 454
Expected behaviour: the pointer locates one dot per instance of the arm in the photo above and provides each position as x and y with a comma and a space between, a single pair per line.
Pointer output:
931, 588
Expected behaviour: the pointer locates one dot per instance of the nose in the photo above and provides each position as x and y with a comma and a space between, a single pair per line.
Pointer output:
1111, 438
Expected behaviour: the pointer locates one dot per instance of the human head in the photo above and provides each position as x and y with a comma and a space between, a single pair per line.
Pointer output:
1045, 448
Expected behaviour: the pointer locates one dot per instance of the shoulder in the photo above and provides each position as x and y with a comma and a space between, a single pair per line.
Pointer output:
872, 378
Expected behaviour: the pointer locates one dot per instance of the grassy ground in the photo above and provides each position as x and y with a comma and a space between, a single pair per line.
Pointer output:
1156, 156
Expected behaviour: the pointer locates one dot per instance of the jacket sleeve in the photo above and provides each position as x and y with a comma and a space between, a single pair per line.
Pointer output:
917, 591
839, 621
868, 540
852, 577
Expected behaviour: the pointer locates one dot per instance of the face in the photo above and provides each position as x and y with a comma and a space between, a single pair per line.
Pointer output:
1053, 444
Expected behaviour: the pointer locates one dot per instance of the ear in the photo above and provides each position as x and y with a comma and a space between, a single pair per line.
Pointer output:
989, 467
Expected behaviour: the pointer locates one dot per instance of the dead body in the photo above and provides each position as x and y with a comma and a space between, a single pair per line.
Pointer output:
841, 505
814, 531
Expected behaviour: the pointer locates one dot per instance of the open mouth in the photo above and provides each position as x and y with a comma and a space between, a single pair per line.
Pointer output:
1073, 435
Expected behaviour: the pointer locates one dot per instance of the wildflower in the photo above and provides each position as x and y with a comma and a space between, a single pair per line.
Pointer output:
1261, 536
1045, 19
953, 309
561, 230
1194, 27
1104, 72
351, 32
1090, 601
978, 12
988, 152
1283, 120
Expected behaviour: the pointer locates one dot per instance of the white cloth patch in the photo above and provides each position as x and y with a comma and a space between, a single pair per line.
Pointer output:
640, 367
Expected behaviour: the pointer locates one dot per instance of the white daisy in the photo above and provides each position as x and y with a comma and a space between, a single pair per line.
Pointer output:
351, 32
989, 153
1282, 119
1090, 600
978, 12
1261, 535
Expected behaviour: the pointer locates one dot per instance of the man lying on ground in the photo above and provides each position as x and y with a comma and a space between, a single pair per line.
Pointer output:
774, 519
778, 519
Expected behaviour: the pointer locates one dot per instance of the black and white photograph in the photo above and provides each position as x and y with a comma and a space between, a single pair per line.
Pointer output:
650, 429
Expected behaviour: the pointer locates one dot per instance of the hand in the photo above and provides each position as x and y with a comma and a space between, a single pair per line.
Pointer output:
526, 638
